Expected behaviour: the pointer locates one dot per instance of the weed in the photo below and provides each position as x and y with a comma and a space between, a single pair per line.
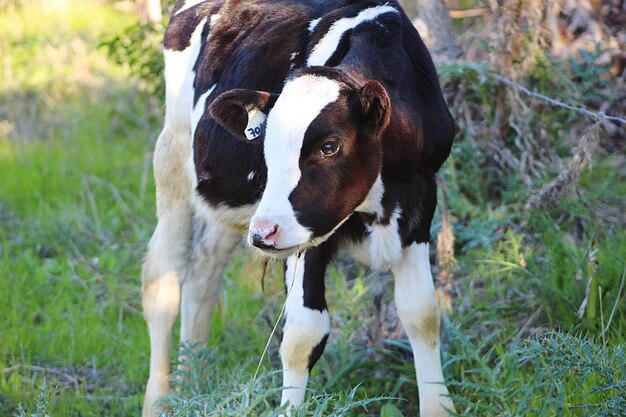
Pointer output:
204, 387
559, 374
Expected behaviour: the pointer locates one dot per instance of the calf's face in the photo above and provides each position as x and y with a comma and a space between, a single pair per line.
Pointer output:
322, 148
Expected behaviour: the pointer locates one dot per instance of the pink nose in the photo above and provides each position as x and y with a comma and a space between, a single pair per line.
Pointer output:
264, 235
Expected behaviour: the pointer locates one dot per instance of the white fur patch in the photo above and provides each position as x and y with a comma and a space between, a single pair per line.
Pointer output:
417, 305
214, 19
188, 5
373, 203
413, 272
292, 59
196, 114
179, 78
313, 24
328, 44
198, 111
385, 243
300, 102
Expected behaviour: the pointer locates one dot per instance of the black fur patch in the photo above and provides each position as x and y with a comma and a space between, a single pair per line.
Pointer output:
315, 262
317, 351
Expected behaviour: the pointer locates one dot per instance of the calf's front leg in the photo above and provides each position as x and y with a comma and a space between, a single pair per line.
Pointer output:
419, 315
306, 325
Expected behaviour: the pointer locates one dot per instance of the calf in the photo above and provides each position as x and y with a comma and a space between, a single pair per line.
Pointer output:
308, 127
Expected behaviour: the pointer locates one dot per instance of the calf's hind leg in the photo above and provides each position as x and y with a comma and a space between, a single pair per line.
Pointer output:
419, 315
164, 267
211, 247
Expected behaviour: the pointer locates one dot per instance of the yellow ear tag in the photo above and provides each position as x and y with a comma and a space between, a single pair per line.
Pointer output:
255, 119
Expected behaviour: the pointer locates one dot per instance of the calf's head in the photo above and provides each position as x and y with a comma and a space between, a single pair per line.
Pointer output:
322, 147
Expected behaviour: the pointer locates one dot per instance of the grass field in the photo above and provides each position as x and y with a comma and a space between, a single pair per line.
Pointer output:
77, 208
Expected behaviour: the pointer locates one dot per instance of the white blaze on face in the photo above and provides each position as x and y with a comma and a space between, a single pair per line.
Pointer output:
300, 102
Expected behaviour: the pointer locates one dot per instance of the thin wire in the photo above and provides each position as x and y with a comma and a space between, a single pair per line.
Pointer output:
521, 88
280, 316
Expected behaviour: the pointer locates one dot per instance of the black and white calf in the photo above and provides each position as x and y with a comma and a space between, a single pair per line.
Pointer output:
308, 126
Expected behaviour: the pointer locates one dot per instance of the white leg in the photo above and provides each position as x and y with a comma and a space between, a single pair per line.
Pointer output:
419, 314
306, 323
163, 269
211, 247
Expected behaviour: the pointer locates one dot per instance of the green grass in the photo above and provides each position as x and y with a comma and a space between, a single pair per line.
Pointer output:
76, 210
75, 214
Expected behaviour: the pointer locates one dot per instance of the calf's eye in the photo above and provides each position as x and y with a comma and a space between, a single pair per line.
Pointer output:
329, 149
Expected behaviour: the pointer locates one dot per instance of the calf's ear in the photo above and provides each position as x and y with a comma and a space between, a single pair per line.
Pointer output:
243, 112
376, 108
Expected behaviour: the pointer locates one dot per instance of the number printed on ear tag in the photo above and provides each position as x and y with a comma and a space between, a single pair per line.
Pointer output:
255, 119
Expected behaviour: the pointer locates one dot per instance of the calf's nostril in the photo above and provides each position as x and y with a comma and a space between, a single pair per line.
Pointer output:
273, 231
